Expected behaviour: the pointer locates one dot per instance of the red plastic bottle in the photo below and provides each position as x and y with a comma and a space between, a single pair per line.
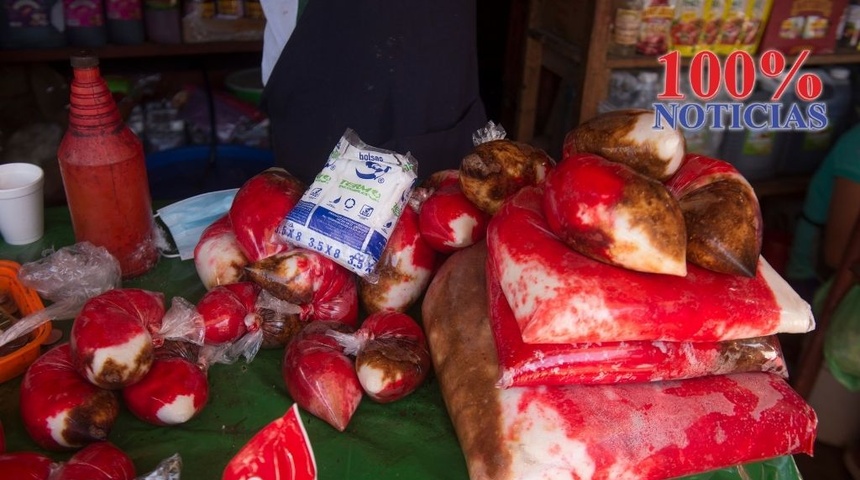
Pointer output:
104, 174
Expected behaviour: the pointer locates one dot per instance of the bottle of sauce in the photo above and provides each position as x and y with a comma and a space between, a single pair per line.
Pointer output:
104, 173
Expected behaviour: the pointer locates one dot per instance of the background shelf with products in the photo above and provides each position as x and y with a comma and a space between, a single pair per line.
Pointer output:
568, 65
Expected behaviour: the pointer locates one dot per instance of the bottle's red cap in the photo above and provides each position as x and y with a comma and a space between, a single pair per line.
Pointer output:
84, 59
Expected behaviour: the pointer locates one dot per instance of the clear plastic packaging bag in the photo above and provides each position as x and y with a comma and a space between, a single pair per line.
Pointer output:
68, 278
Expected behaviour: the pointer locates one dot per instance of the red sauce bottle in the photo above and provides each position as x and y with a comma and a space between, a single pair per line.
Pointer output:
104, 173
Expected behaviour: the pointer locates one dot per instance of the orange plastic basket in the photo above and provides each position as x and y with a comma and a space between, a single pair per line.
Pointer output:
28, 301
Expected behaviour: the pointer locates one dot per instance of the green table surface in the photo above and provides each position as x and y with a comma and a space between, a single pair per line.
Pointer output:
409, 439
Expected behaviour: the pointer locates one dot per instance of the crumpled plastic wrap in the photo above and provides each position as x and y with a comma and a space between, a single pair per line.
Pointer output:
68, 278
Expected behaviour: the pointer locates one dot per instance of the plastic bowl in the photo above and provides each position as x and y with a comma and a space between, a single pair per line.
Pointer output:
28, 302
246, 84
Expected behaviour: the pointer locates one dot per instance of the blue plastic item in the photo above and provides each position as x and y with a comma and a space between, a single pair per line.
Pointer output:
187, 171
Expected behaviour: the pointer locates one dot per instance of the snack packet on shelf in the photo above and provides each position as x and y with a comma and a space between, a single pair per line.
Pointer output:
656, 29
712, 24
350, 210
757, 13
687, 26
733, 22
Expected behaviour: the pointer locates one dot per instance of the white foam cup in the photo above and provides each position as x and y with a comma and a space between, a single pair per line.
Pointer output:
22, 215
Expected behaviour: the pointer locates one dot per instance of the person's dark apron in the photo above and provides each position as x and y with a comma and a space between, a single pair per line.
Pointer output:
403, 75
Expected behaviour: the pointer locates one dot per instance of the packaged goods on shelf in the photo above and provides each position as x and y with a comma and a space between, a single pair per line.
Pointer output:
797, 25
734, 13
712, 24
655, 32
33, 24
687, 27
691, 26
625, 27
850, 31
85, 23
124, 20
204, 22
162, 20
755, 19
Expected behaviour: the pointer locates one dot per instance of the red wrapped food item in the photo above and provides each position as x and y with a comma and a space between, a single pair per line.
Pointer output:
60, 408
26, 466
646, 431
721, 213
391, 355
174, 391
497, 168
449, 221
629, 137
281, 450
560, 296
404, 270
111, 339
225, 309
523, 364
609, 212
258, 209
218, 258
97, 461
319, 376
323, 289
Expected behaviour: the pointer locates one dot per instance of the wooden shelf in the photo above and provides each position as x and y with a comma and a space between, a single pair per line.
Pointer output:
132, 51
793, 185
841, 57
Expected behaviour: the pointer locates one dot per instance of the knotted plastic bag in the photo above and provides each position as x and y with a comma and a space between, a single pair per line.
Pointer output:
68, 278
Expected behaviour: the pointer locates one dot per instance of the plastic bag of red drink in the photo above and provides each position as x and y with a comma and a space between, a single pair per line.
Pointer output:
525, 364
319, 375
97, 461
447, 219
281, 450
68, 278
218, 258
